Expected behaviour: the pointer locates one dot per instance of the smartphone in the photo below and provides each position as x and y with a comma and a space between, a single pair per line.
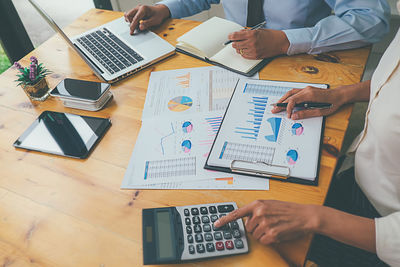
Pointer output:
80, 90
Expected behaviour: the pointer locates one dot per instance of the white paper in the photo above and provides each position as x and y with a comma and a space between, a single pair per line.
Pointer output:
174, 149
251, 133
174, 143
188, 91
210, 36
236, 182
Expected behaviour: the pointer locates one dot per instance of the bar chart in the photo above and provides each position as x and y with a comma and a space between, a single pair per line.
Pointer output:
256, 112
248, 153
262, 89
170, 168
213, 124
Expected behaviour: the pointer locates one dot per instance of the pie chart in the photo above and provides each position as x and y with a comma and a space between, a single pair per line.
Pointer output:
187, 127
180, 103
292, 157
297, 129
186, 146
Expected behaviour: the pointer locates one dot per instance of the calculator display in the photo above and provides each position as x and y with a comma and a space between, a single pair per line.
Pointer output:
164, 235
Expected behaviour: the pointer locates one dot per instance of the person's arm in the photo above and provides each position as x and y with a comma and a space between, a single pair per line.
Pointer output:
143, 17
355, 23
272, 221
186, 8
337, 97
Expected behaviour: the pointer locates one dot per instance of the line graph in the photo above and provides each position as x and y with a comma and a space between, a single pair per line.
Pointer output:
164, 137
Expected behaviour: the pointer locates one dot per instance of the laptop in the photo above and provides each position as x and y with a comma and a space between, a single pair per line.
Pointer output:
110, 51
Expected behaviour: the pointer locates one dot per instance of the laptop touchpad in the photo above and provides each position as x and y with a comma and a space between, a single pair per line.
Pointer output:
138, 38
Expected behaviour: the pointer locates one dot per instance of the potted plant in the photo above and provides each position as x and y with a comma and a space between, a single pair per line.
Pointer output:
33, 79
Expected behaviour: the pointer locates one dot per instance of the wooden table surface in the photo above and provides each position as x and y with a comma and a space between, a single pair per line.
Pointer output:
57, 211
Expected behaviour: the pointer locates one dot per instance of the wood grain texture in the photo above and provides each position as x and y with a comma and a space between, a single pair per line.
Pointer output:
57, 211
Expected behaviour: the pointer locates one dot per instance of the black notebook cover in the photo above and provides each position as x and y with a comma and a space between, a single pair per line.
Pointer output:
251, 73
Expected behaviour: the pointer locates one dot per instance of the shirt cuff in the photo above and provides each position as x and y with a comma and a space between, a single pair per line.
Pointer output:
387, 231
173, 7
300, 40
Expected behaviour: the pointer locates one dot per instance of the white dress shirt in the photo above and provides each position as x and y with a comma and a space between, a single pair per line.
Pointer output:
377, 153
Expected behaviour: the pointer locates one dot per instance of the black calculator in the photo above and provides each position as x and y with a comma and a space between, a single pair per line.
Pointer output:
179, 234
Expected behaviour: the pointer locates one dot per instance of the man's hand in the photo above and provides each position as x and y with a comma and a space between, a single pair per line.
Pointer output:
143, 17
261, 43
272, 221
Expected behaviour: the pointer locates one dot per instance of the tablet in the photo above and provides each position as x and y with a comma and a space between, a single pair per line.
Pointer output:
63, 134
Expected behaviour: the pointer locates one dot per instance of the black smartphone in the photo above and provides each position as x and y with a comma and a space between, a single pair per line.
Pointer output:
81, 90
63, 134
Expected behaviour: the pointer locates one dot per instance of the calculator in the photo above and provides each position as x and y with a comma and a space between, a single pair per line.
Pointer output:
179, 234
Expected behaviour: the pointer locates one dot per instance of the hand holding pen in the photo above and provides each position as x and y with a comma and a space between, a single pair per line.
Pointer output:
258, 26
314, 101
259, 43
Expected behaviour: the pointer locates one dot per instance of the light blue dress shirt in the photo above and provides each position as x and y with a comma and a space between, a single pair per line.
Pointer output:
308, 24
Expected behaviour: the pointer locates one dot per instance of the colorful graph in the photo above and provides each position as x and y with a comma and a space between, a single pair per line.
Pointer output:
170, 168
184, 80
186, 146
187, 127
180, 103
261, 89
297, 129
214, 124
292, 156
275, 124
256, 113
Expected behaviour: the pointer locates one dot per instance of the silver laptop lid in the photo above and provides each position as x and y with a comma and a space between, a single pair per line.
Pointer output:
164, 49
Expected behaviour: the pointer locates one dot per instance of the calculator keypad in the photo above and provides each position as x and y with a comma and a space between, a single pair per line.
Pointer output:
206, 240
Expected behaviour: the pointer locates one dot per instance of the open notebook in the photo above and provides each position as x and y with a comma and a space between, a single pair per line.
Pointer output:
206, 42
254, 141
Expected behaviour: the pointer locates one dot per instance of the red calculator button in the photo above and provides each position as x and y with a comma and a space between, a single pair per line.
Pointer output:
229, 244
219, 246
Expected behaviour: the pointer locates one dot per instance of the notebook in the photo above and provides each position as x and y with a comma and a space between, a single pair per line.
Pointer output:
206, 42
254, 141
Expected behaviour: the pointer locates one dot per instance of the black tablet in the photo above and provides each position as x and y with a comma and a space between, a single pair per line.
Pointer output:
63, 134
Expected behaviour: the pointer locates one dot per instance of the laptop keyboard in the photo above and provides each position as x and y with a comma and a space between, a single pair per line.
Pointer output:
112, 53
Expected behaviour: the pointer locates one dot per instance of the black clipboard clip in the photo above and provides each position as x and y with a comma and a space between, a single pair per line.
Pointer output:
259, 168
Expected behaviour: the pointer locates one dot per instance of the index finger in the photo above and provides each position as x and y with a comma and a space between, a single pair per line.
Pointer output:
238, 36
284, 99
234, 215
130, 14
136, 20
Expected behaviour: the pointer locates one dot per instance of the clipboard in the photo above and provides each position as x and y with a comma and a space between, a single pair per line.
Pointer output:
263, 169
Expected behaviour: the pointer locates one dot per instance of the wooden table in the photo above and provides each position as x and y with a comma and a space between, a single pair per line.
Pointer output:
69, 212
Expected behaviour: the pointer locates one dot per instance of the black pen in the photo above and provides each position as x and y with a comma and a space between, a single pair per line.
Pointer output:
259, 25
305, 105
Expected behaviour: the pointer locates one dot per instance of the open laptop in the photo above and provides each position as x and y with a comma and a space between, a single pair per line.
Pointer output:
110, 51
